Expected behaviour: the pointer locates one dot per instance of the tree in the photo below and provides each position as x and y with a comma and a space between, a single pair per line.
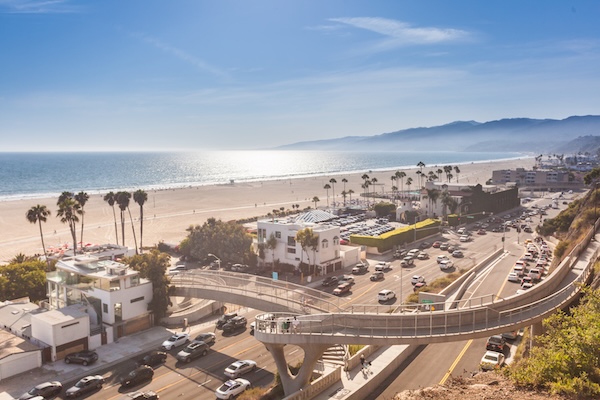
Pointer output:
421, 165
333, 182
68, 211
365, 185
82, 198
110, 198
344, 181
122, 199
140, 197
401, 175
374, 182
27, 278
228, 240
308, 241
153, 266
408, 183
36, 215
432, 196
350, 191
315, 200
457, 170
439, 173
272, 245
327, 187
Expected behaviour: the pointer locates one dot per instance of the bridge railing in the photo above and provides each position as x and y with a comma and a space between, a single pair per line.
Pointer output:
304, 299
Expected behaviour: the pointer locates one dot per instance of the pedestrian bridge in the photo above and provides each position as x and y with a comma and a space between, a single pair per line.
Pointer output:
323, 322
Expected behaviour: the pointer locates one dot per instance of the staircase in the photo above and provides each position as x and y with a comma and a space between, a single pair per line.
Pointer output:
334, 355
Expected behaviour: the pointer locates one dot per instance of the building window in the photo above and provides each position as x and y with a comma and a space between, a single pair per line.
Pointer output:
291, 250
278, 234
68, 325
291, 241
137, 299
325, 244
105, 308
336, 241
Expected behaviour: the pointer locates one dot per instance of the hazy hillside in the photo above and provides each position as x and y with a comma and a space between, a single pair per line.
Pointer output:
516, 134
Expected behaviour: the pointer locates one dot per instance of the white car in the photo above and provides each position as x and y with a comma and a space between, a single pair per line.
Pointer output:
416, 279
386, 295
382, 266
346, 279
513, 277
445, 264
442, 258
232, 388
491, 360
240, 368
178, 339
423, 256
465, 238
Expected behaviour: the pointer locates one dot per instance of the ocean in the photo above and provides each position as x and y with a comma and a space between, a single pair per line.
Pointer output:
38, 175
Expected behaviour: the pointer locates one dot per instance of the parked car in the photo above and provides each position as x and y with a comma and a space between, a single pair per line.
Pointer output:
224, 319
240, 368
232, 388
342, 288
413, 252
149, 395
330, 281
481, 232
176, 340
47, 390
377, 276
193, 350
85, 385
207, 337
423, 256
386, 295
416, 279
400, 254
424, 245
235, 324
491, 360
138, 375
153, 359
84, 357
495, 343
512, 335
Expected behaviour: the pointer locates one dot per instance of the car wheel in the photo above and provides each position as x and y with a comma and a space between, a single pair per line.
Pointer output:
85, 363
187, 360
67, 361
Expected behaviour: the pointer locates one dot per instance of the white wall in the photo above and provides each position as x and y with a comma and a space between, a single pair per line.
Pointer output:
124, 296
60, 331
20, 362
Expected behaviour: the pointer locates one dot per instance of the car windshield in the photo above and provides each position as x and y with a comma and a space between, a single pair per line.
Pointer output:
226, 386
172, 339
80, 384
490, 357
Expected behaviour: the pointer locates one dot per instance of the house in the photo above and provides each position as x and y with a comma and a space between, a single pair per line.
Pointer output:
97, 287
328, 256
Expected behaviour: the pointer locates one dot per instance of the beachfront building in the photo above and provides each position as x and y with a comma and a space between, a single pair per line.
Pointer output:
95, 287
531, 178
328, 256
465, 199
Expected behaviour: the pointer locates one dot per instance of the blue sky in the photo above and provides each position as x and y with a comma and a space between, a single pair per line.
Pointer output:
195, 74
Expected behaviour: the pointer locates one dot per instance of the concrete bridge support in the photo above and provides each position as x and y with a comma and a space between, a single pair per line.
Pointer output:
292, 384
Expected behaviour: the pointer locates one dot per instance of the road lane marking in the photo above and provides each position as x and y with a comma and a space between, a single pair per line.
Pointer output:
455, 363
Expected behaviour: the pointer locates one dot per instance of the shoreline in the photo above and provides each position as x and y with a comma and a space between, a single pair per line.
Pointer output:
169, 212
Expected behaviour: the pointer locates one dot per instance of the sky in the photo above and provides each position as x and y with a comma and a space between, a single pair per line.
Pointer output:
147, 75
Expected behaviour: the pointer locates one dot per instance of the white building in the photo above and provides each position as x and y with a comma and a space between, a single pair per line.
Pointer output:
109, 295
329, 255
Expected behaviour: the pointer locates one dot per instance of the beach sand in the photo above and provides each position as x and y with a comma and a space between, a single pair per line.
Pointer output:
168, 213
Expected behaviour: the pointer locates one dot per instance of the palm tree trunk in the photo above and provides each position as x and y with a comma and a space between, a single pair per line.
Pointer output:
43, 244
116, 229
123, 227
81, 236
141, 227
133, 229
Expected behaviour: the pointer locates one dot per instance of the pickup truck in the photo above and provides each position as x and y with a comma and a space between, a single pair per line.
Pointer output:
382, 266
360, 269
407, 261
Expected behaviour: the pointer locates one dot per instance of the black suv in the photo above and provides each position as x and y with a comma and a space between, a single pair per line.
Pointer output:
84, 357
235, 324
192, 350
153, 359
496, 343
140, 374
225, 318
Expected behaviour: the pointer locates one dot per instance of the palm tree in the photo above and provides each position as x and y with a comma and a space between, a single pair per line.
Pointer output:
344, 181
122, 199
272, 245
439, 173
327, 187
82, 198
432, 195
333, 182
408, 183
457, 170
308, 240
350, 191
63, 196
401, 175
110, 198
68, 211
447, 170
315, 200
38, 214
140, 197
419, 176
394, 193
421, 165
374, 182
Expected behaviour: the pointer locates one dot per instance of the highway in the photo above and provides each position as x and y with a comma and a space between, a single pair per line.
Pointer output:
430, 365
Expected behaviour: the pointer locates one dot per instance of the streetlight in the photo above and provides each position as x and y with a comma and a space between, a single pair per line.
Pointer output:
216, 259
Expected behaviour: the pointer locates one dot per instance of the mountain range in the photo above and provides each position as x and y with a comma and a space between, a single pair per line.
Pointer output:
511, 134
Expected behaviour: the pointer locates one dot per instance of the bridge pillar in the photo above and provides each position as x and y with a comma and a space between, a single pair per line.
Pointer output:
292, 384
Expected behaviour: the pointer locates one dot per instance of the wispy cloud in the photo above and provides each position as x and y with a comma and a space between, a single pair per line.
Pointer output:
182, 55
399, 33
38, 7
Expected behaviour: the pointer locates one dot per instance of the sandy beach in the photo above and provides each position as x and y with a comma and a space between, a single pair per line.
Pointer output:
168, 213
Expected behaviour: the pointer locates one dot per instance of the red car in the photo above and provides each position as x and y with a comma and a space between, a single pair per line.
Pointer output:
436, 244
